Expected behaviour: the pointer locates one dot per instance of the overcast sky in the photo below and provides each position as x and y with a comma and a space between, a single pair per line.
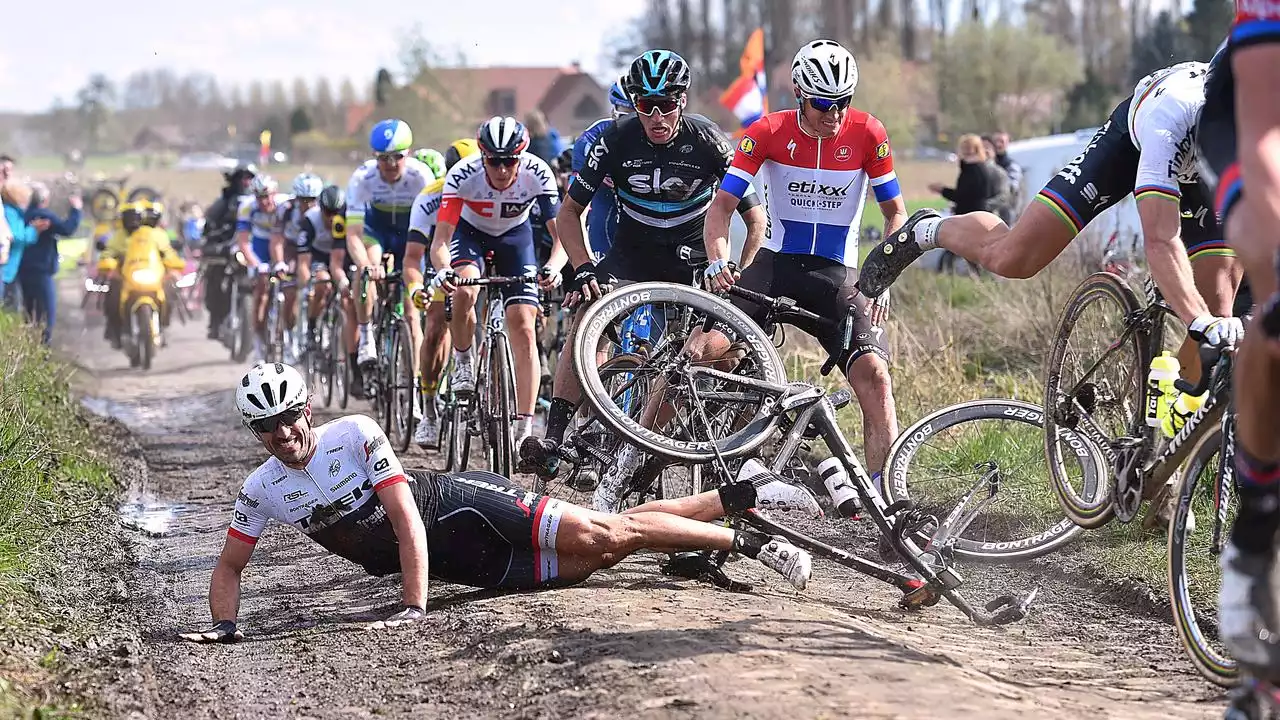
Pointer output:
50, 49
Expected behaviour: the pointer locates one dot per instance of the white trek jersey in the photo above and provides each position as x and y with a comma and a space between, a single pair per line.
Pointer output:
1162, 123
331, 499
468, 194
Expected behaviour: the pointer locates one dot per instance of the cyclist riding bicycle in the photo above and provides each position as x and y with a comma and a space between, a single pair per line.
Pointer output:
818, 162
433, 353
316, 241
1237, 136
602, 211
285, 242
342, 486
485, 208
379, 199
665, 165
255, 224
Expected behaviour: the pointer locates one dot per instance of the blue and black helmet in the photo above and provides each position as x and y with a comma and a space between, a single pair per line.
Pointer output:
657, 73
618, 98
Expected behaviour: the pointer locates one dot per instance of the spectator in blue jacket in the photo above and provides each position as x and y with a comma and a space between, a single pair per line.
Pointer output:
17, 198
40, 261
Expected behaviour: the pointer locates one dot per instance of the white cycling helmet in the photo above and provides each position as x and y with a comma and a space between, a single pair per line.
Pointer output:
269, 389
824, 69
262, 185
307, 185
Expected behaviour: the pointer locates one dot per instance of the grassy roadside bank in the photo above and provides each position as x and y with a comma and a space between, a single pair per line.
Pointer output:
54, 484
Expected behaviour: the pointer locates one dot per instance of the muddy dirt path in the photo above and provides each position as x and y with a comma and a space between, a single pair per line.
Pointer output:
630, 642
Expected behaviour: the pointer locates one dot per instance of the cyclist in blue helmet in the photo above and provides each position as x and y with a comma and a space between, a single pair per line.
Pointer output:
602, 214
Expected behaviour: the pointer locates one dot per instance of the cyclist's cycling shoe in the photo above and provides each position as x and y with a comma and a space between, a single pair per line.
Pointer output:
539, 456
366, 353
463, 379
428, 432
788, 561
888, 259
1246, 607
774, 493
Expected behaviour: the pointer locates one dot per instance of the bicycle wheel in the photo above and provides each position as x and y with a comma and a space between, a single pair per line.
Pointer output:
399, 389
500, 406
689, 436
323, 356
274, 331
341, 371
1094, 385
940, 458
459, 436
1204, 514
246, 327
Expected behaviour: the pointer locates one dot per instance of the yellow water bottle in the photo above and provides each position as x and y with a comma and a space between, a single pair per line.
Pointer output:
1160, 392
1183, 408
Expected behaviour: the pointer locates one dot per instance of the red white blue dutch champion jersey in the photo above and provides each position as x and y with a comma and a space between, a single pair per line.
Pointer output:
815, 187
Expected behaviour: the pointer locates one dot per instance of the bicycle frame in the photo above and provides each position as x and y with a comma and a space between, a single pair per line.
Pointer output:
896, 523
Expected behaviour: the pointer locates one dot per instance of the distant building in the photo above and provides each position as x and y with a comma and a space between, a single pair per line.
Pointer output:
160, 138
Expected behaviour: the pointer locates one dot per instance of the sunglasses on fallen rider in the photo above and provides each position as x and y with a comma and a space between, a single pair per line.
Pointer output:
269, 425
390, 157
496, 161
664, 106
827, 105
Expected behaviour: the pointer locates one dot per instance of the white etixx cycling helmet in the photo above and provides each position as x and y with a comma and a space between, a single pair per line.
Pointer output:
824, 69
307, 185
269, 389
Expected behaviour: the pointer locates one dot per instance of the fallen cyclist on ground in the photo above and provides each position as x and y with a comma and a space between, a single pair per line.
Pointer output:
342, 485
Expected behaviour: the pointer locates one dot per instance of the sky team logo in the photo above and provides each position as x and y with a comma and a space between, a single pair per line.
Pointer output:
882, 150
747, 145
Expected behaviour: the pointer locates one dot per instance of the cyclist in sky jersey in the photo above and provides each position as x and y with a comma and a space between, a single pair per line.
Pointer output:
485, 207
602, 213
1239, 138
665, 165
342, 486
1146, 147
379, 200
817, 163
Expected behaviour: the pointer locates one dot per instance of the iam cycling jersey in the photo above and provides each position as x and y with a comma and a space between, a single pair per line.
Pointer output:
469, 196
317, 237
816, 187
602, 217
663, 191
383, 208
259, 223
481, 529
426, 209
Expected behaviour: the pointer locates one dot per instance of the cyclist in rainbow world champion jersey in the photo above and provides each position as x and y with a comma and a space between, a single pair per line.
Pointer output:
665, 165
1239, 138
379, 200
602, 213
436, 339
1146, 147
255, 226
485, 207
342, 486
816, 164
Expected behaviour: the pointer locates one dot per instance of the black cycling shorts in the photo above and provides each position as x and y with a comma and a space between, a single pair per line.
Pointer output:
654, 263
487, 532
1216, 137
1104, 174
823, 287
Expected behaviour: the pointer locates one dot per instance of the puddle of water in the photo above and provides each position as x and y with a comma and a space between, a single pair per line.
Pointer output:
150, 518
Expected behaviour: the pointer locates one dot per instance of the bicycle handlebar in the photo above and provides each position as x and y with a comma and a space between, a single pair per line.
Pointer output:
785, 309
462, 282
1211, 365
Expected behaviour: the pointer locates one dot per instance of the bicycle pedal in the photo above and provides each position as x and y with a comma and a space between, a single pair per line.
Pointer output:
919, 594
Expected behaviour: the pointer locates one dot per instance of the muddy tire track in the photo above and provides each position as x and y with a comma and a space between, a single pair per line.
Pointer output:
630, 642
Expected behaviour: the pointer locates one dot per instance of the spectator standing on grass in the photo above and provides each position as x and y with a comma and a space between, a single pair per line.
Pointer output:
39, 262
981, 185
1013, 171
17, 198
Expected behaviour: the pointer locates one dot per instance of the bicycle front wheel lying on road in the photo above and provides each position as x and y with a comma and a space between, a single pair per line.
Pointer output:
941, 457
724, 406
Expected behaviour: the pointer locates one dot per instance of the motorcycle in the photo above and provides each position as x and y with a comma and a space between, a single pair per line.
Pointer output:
142, 298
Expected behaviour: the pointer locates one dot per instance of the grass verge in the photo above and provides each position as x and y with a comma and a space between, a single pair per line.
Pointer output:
53, 484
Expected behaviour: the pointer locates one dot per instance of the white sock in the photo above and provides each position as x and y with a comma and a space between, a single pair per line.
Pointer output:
524, 426
364, 332
925, 233
462, 357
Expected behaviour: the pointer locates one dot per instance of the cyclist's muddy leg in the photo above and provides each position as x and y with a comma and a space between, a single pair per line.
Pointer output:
463, 326
364, 311
260, 305
435, 348
705, 506
1217, 277
411, 314
522, 320
566, 394
587, 540
1021, 251
869, 377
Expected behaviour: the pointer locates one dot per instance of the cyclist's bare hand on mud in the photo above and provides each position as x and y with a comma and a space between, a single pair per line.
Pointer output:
224, 631
409, 614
